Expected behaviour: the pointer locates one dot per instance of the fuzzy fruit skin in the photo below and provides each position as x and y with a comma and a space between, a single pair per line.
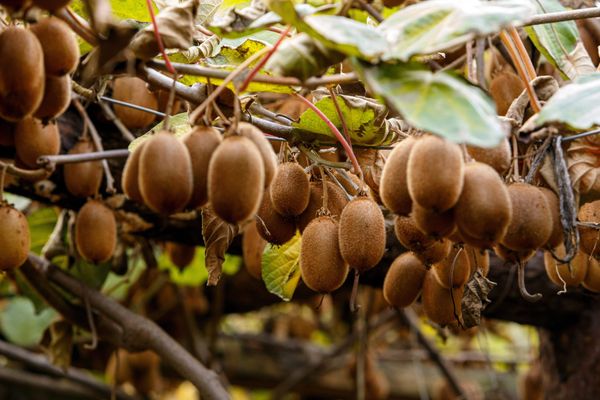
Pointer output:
590, 237
133, 90
95, 232
61, 51
15, 238
556, 237
201, 143
322, 266
554, 268
410, 236
437, 301
290, 190
404, 280
478, 260
22, 79
272, 226
181, 255
393, 187
264, 147
253, 246
57, 97
83, 179
165, 174
496, 157
513, 256
435, 252
434, 224
130, 176
362, 234
435, 173
32, 139
531, 223
592, 278
336, 201
505, 88
483, 210
236, 178
448, 276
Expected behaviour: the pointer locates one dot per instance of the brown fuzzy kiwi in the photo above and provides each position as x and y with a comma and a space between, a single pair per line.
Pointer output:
433, 223
362, 234
498, 157
32, 139
513, 256
440, 304
483, 210
592, 278
15, 238
322, 266
478, 260
410, 236
336, 201
236, 178
463, 237
22, 79
435, 173
7, 133
590, 237
559, 272
531, 223
95, 232
504, 89
290, 190
393, 188
253, 246
201, 143
162, 98
51, 5
272, 226
165, 174
133, 90
181, 255
454, 270
404, 280
556, 237
61, 51
435, 252
264, 147
83, 179
352, 185
57, 97
130, 176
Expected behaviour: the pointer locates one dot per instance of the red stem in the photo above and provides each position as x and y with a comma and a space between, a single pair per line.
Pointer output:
159, 41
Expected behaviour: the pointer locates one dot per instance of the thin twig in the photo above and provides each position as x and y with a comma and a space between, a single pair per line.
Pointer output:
77, 24
571, 15
110, 115
29, 174
77, 158
132, 106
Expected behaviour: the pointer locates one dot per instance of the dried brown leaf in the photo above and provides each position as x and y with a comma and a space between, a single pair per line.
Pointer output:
475, 299
583, 161
60, 344
217, 235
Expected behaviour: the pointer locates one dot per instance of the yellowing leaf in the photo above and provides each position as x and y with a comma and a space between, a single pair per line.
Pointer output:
281, 267
217, 235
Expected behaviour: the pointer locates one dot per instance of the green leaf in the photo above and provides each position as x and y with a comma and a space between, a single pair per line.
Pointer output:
179, 124
281, 267
576, 104
123, 9
21, 324
560, 42
41, 223
432, 26
93, 275
440, 103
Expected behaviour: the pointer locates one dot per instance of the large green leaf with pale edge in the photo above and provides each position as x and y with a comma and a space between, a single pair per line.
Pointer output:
560, 42
576, 104
440, 103
179, 124
41, 223
21, 324
281, 267
437, 25
122, 9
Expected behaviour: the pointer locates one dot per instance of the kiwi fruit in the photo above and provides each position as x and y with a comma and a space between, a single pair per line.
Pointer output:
51, 5
165, 174
435, 173
592, 278
57, 97
441, 305
95, 232
498, 157
272, 226
393, 188
321, 264
454, 270
236, 178
253, 246
162, 97
264, 147
32, 139
22, 79
531, 222
83, 179
459, 236
483, 210
513, 256
362, 234
504, 89
336, 201
352, 185
435, 252
590, 237
409, 235
556, 237
129, 178
7, 133
433, 223
61, 51
404, 280
181, 255
290, 190
15, 238
557, 270
201, 143
135, 91
479, 259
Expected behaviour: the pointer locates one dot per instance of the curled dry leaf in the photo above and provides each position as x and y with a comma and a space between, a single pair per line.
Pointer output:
217, 235
583, 160
475, 299
131, 222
